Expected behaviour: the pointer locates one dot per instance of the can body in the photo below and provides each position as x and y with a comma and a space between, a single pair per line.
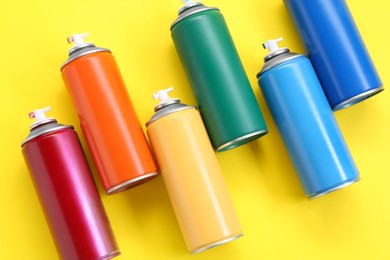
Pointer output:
336, 50
218, 80
194, 180
109, 122
68, 196
307, 126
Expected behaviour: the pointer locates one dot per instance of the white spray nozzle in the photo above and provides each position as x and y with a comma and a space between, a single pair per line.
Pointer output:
272, 45
40, 117
162, 95
39, 114
78, 39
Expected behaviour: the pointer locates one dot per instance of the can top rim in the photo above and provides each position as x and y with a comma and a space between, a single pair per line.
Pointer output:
275, 53
191, 9
166, 110
80, 52
44, 129
168, 102
278, 59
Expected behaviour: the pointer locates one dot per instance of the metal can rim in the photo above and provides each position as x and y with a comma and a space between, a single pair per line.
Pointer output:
191, 11
277, 60
49, 130
166, 111
83, 53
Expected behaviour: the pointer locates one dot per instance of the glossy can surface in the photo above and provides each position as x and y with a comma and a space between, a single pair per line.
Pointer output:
308, 127
217, 77
109, 122
194, 180
68, 196
336, 50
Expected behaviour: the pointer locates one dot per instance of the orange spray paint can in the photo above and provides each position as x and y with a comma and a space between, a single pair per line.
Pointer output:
192, 175
113, 133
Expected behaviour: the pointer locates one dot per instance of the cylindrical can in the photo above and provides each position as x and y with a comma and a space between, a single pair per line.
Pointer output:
108, 120
74, 212
217, 77
336, 50
306, 122
192, 175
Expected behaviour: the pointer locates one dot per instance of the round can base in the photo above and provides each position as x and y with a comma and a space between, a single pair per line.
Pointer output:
241, 140
357, 98
110, 255
334, 188
131, 183
218, 243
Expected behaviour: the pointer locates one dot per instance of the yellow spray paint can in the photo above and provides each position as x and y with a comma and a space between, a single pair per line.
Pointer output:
192, 175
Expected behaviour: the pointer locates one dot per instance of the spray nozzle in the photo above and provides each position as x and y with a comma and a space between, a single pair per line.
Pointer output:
273, 49
78, 38
39, 114
40, 117
162, 94
78, 41
272, 45
165, 99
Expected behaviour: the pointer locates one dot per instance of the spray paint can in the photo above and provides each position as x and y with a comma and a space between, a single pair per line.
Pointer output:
306, 122
217, 77
113, 133
68, 196
336, 50
192, 175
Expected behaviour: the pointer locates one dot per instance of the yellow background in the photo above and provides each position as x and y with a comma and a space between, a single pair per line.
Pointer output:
278, 222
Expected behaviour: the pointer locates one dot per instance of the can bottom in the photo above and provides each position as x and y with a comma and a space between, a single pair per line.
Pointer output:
241, 140
357, 98
131, 183
110, 255
218, 243
333, 188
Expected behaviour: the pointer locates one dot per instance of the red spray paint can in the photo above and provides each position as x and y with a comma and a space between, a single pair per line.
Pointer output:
74, 212
113, 133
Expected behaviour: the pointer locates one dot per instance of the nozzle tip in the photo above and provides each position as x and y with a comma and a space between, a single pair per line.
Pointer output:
162, 94
77, 38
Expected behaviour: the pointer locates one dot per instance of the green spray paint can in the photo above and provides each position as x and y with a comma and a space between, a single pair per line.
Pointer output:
210, 60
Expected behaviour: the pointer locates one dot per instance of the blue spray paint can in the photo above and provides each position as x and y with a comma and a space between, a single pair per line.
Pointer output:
336, 50
305, 122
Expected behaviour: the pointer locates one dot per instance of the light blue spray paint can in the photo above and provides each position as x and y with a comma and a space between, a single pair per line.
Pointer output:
305, 122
